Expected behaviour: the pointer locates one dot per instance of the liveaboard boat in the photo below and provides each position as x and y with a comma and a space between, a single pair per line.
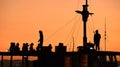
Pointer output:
85, 56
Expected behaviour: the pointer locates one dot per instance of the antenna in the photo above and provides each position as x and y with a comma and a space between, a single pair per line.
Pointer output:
105, 34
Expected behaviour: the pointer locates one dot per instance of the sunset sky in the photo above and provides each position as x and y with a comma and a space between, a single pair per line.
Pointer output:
20, 21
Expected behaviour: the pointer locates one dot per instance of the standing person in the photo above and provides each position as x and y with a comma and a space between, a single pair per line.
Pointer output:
25, 47
17, 48
97, 37
31, 47
41, 38
12, 47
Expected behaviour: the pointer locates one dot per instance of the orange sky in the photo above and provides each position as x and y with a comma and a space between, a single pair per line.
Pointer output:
20, 21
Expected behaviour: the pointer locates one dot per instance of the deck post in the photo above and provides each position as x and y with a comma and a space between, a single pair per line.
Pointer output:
2, 61
11, 57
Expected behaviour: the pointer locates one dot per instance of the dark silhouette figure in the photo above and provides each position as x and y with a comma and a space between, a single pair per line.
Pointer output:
41, 38
38, 48
12, 47
50, 47
25, 47
17, 49
40, 44
97, 37
31, 47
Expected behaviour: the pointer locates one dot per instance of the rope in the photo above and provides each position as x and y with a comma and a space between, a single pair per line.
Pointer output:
71, 35
90, 30
91, 27
69, 38
71, 32
77, 4
93, 22
59, 29
78, 31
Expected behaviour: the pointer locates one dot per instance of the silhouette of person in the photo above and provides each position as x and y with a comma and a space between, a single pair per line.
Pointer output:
50, 46
40, 44
31, 47
38, 48
25, 47
41, 38
97, 37
12, 47
17, 49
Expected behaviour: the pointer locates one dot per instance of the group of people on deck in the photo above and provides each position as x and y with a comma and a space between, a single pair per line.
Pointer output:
15, 48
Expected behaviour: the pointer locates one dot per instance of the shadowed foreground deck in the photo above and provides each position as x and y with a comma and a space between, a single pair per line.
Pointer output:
67, 59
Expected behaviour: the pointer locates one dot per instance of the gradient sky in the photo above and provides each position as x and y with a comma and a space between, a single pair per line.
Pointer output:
20, 21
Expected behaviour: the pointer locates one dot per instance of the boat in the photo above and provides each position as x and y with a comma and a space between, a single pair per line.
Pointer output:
85, 56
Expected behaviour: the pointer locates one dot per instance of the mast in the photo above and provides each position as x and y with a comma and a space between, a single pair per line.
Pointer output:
86, 2
85, 14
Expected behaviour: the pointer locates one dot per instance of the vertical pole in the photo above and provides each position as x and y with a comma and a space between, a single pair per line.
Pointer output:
11, 60
86, 2
2, 61
85, 14
22, 60
26, 61
85, 37
115, 58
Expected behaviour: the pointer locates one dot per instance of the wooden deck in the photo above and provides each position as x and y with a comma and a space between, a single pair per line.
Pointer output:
101, 54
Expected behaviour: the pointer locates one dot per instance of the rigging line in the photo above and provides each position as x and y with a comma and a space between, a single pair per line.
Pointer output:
90, 38
77, 4
70, 43
73, 45
75, 25
68, 38
59, 29
75, 28
77, 31
93, 26
71, 31
90, 29
92, 22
